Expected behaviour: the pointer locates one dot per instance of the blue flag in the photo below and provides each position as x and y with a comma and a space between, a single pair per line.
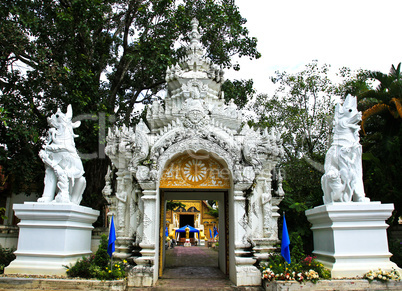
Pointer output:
285, 251
166, 232
215, 232
210, 233
112, 239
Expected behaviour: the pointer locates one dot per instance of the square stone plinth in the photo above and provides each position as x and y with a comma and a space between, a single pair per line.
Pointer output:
351, 238
51, 236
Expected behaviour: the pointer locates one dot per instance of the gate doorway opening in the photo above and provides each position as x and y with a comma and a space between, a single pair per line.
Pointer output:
207, 256
186, 219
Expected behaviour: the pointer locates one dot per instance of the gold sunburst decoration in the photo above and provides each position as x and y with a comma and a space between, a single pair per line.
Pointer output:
194, 171
189, 172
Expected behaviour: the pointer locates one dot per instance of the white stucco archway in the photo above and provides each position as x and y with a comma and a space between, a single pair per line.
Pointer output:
193, 120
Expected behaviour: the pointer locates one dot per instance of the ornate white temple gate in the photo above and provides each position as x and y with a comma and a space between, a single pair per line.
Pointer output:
194, 146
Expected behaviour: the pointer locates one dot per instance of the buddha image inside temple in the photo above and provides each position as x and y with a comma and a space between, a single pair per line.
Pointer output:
198, 216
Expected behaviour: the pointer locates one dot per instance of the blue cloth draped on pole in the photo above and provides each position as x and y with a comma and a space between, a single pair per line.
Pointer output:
210, 233
183, 229
215, 232
285, 251
112, 239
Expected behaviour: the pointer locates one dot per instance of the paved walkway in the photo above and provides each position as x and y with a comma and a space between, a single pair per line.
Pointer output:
186, 268
194, 268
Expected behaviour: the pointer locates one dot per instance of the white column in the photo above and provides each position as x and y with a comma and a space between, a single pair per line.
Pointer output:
246, 273
146, 271
124, 240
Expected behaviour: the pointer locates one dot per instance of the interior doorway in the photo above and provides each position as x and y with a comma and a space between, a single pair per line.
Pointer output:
187, 219
208, 257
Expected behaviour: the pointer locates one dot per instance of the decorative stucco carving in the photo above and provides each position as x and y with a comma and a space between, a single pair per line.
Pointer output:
189, 136
260, 147
141, 145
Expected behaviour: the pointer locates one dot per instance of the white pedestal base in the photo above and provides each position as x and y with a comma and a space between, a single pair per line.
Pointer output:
350, 238
248, 276
51, 236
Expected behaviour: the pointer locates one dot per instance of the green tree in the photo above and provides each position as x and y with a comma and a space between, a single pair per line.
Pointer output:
302, 108
240, 91
382, 141
101, 257
172, 205
99, 56
386, 97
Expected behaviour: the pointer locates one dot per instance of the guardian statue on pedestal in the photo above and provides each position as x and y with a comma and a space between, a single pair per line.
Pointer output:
343, 178
64, 170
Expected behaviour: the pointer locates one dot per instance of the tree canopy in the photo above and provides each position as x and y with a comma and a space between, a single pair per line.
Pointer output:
104, 58
302, 109
382, 139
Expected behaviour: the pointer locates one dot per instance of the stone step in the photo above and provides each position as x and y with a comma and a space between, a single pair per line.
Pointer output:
201, 286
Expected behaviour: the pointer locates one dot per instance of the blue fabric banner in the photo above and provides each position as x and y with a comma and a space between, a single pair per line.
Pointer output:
112, 239
215, 232
210, 233
285, 250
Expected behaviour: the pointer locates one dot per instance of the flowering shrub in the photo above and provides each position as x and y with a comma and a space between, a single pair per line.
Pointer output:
312, 275
308, 269
98, 265
86, 268
383, 275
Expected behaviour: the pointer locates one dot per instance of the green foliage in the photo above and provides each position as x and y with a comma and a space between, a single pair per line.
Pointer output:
395, 247
213, 212
98, 265
382, 144
302, 109
2, 211
172, 205
6, 256
83, 268
213, 209
296, 247
303, 191
102, 258
99, 56
240, 91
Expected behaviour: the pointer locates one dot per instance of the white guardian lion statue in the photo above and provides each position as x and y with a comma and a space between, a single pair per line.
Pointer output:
343, 178
64, 170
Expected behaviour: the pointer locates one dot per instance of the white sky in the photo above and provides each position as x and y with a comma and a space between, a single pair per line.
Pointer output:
292, 33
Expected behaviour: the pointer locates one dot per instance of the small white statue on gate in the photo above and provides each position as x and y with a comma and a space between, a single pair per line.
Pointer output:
343, 178
64, 170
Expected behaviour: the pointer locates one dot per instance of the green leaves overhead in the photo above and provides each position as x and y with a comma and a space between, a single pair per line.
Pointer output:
382, 142
240, 91
100, 56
